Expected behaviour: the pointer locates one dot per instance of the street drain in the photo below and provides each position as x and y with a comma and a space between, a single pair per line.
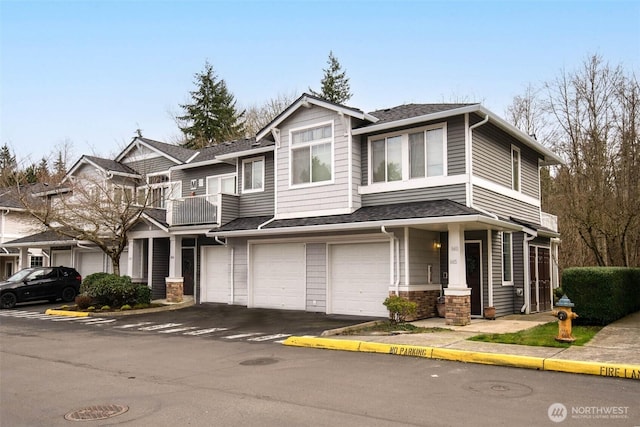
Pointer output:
499, 388
97, 412
259, 361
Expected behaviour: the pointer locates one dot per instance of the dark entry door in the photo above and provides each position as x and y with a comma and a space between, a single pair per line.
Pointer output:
472, 262
540, 278
188, 269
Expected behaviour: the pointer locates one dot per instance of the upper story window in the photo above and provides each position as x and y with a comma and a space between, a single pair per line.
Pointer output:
311, 154
221, 184
158, 191
416, 154
253, 175
515, 168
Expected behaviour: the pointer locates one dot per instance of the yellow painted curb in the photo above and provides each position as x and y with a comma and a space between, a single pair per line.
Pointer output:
593, 368
488, 358
66, 313
529, 362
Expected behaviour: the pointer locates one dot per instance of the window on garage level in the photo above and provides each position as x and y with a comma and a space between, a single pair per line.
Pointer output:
311, 154
36, 261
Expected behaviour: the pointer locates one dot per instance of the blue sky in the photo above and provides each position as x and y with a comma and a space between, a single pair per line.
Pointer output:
92, 72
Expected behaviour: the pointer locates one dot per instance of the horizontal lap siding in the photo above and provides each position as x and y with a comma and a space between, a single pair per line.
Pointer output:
422, 254
492, 159
504, 205
457, 193
230, 208
261, 203
150, 166
199, 173
502, 295
518, 268
316, 277
306, 199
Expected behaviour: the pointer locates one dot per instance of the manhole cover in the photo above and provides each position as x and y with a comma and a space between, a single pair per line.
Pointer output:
499, 388
259, 361
97, 412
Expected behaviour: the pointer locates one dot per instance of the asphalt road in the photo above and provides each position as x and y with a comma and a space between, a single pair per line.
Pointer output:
50, 369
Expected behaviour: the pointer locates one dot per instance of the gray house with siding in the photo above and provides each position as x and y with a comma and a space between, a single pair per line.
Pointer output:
330, 209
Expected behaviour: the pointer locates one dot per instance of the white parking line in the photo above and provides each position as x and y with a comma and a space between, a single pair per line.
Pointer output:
133, 325
67, 319
171, 331
235, 337
205, 331
162, 326
269, 337
99, 321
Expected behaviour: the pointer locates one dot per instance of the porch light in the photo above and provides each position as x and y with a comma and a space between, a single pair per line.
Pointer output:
436, 244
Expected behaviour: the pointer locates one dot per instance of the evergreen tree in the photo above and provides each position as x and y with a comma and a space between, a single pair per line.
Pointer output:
211, 117
335, 83
8, 166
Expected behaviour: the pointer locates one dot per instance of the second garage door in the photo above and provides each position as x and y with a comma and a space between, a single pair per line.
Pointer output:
359, 278
216, 274
91, 262
278, 276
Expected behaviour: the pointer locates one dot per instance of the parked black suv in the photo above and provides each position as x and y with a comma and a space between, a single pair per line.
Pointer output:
40, 283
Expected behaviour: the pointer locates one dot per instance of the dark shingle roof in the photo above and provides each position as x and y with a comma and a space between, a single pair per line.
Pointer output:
407, 111
44, 236
158, 215
428, 209
177, 152
244, 144
110, 165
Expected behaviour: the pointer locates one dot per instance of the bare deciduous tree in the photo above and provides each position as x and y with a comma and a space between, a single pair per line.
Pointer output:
258, 116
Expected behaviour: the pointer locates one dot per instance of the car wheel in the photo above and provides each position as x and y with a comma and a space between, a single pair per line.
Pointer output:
68, 294
8, 300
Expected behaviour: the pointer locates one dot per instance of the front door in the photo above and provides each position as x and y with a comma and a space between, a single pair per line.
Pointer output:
188, 270
473, 267
540, 278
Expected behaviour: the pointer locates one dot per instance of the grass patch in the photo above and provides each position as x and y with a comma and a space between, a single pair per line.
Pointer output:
541, 335
388, 327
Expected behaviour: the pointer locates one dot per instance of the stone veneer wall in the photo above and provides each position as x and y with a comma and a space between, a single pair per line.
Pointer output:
425, 300
458, 310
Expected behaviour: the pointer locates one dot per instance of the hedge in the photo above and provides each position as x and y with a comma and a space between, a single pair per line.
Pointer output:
602, 294
114, 291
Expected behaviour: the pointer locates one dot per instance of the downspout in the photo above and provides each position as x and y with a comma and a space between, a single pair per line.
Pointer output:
267, 222
527, 273
470, 157
395, 253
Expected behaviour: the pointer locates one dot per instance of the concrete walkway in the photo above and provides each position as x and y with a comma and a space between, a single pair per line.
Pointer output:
614, 351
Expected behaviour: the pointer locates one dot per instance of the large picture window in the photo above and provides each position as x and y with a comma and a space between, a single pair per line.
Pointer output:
405, 156
311, 154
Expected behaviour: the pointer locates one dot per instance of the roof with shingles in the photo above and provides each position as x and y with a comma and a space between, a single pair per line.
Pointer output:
176, 151
427, 209
238, 145
158, 215
110, 165
43, 236
407, 111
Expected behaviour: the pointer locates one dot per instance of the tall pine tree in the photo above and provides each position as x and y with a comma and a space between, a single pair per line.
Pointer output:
8, 166
335, 83
211, 117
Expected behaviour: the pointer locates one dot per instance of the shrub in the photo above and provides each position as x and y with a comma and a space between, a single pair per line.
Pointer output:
125, 307
115, 291
602, 294
83, 301
105, 308
89, 281
399, 308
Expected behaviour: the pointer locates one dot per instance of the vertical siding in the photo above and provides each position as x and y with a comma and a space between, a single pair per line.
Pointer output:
160, 268
492, 159
457, 193
262, 203
505, 205
305, 199
316, 277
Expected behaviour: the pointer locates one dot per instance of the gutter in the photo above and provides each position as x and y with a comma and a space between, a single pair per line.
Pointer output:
470, 155
267, 222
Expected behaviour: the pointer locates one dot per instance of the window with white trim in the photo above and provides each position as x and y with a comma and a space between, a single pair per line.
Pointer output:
253, 175
311, 154
221, 184
507, 258
36, 261
158, 191
515, 168
419, 153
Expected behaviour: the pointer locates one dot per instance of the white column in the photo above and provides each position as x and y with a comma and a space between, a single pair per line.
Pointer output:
150, 263
175, 256
130, 257
24, 258
457, 271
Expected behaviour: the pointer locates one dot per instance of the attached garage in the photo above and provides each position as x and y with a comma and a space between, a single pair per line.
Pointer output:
61, 258
91, 262
359, 278
277, 277
215, 274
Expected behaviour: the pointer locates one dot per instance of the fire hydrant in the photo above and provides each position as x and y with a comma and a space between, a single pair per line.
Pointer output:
565, 315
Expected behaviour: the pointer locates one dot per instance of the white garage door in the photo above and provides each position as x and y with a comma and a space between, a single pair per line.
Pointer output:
61, 258
278, 276
91, 262
215, 277
359, 279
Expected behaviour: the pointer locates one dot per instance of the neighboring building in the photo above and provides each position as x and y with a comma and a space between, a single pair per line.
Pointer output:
330, 209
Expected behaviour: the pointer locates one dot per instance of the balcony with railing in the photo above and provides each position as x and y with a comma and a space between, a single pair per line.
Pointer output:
198, 210
549, 221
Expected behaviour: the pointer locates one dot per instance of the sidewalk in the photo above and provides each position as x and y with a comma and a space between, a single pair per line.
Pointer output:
614, 351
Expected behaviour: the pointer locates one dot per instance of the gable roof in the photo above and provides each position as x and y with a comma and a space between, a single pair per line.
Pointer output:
106, 165
175, 153
406, 111
305, 100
